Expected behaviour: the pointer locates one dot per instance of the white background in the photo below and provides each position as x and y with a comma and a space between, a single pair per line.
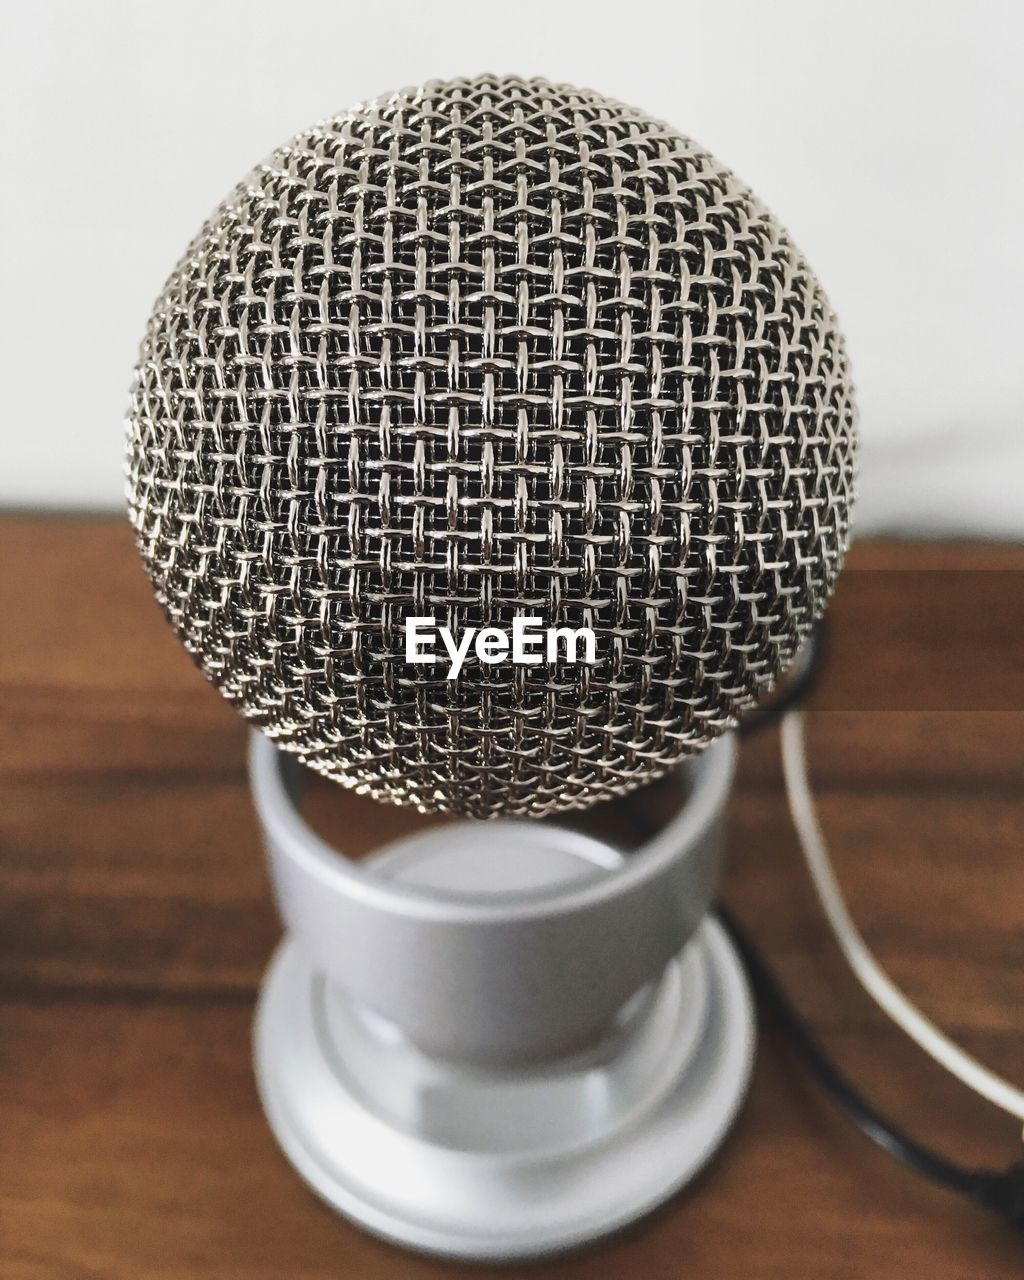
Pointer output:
887, 137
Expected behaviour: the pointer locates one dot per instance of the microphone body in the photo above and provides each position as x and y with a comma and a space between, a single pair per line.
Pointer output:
491, 449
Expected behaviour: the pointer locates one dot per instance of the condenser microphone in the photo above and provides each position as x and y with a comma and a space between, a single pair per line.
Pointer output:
491, 449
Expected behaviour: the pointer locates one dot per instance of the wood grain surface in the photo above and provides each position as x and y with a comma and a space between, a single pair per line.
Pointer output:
135, 922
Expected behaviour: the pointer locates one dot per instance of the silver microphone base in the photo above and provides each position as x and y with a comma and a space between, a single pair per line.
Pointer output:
484, 1163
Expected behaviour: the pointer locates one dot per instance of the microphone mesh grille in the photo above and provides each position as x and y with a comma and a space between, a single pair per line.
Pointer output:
483, 348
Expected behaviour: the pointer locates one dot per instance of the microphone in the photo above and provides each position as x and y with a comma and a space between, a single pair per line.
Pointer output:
491, 448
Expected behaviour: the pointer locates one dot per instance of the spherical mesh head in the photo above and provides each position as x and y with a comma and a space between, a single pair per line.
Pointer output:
487, 348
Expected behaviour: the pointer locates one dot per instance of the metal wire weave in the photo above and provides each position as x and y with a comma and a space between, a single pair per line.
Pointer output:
487, 347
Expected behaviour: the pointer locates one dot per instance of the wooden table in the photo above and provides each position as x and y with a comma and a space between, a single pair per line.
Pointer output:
135, 923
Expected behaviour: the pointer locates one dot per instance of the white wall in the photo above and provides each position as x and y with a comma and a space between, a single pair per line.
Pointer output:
888, 137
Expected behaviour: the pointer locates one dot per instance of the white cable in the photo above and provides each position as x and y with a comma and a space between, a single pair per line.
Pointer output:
869, 973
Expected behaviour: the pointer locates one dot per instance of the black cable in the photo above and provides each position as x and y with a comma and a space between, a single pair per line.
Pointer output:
999, 1191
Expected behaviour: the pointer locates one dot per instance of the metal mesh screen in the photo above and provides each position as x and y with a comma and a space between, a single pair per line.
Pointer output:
484, 348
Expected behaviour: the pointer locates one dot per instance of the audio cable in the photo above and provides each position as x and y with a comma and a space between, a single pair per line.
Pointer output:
998, 1191
875, 981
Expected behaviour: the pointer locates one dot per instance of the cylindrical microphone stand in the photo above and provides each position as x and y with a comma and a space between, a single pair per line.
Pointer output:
497, 1040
